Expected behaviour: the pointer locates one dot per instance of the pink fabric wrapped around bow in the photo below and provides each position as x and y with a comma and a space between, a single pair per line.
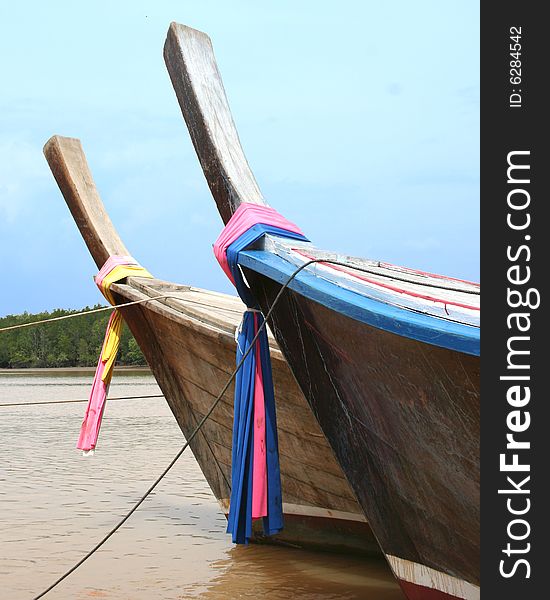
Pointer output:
89, 430
114, 269
245, 217
259, 469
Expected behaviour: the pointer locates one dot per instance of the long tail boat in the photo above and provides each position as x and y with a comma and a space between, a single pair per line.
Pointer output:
187, 337
387, 357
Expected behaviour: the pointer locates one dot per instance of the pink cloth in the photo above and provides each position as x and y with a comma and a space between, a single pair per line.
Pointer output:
96, 403
245, 217
259, 471
110, 264
89, 430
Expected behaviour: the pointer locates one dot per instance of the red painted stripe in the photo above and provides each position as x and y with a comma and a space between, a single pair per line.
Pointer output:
388, 286
389, 265
419, 592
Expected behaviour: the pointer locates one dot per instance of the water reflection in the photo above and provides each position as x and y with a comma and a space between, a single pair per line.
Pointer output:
283, 573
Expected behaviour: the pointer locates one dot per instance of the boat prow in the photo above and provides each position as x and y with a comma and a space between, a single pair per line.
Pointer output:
388, 358
187, 336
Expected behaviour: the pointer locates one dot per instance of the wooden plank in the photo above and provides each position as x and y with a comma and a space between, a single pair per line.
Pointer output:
69, 166
299, 437
189, 57
299, 489
189, 344
144, 330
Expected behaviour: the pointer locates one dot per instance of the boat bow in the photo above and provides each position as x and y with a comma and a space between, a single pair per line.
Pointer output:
388, 359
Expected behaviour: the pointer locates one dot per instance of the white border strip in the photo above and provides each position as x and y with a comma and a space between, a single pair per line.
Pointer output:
430, 578
308, 511
404, 298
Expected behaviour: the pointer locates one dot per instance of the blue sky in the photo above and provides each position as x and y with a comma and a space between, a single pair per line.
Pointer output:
360, 120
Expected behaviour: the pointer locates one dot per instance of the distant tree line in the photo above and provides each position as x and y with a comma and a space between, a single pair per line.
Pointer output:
69, 343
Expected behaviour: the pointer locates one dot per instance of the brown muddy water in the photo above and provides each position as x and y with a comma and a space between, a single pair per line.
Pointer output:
55, 505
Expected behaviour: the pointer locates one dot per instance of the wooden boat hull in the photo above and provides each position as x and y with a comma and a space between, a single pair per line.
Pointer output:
403, 419
387, 357
191, 363
187, 337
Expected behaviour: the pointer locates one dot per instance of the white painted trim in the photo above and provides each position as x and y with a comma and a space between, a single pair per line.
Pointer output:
401, 298
422, 575
308, 511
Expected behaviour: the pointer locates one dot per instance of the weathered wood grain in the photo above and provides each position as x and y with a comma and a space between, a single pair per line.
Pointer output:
402, 416
188, 341
69, 166
403, 419
191, 368
189, 57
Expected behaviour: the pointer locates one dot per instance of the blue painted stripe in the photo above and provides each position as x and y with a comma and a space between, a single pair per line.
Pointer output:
417, 326
245, 240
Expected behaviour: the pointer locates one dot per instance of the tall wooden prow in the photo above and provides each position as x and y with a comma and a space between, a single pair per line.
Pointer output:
70, 168
190, 60
187, 337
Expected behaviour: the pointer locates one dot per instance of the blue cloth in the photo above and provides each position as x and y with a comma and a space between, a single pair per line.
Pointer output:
239, 522
243, 242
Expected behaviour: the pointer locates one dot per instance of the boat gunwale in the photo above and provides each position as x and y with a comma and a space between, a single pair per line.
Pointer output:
197, 82
139, 289
419, 326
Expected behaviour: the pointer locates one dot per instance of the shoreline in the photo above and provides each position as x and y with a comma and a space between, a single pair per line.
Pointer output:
72, 370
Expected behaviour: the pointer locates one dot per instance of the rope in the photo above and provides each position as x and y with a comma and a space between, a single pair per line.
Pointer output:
306, 264
195, 431
3, 405
104, 308
189, 440
85, 312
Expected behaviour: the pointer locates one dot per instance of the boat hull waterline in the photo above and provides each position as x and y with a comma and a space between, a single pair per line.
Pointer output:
387, 357
187, 338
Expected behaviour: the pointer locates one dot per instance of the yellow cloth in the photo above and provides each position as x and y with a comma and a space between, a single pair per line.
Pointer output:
114, 269
114, 328
121, 272
110, 346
